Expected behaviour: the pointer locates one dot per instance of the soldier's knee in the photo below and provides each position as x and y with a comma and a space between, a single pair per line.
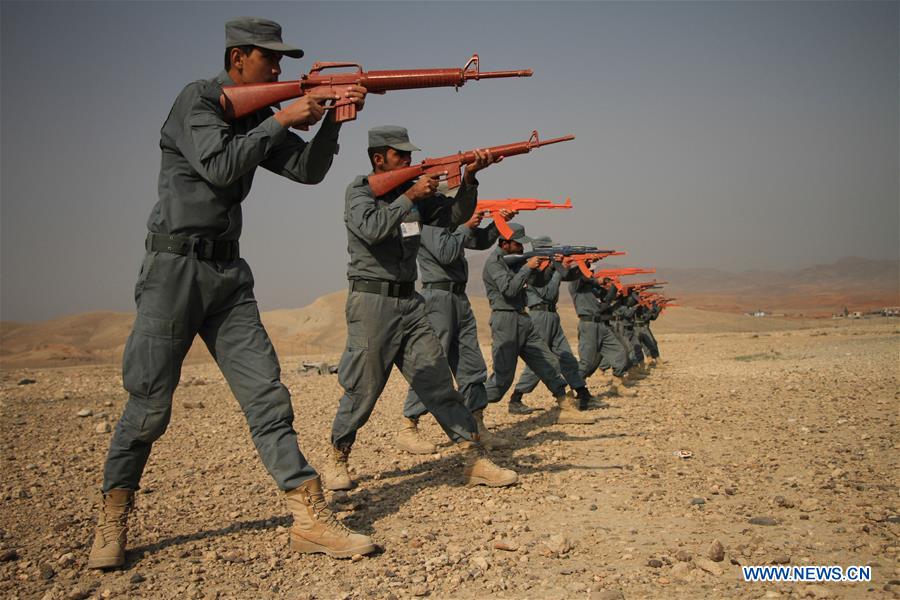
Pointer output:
145, 420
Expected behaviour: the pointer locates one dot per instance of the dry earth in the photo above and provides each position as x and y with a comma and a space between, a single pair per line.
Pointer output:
795, 425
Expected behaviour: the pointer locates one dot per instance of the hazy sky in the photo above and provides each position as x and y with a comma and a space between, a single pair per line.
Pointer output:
713, 134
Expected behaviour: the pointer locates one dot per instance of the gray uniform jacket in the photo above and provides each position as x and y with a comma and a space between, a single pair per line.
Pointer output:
591, 299
505, 287
442, 256
384, 233
548, 293
208, 165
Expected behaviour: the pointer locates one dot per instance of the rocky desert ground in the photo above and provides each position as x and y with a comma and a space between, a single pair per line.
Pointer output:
791, 427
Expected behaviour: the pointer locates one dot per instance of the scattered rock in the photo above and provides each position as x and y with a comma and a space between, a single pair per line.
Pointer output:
419, 590
763, 521
136, 579
716, 551
27, 381
47, 571
697, 501
608, 595
681, 571
480, 562
655, 563
709, 566
102, 427
66, 559
817, 591
85, 412
781, 559
784, 502
189, 404
8, 555
559, 544
683, 556
507, 546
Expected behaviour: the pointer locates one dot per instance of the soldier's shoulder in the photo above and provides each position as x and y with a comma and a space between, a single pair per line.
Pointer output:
359, 187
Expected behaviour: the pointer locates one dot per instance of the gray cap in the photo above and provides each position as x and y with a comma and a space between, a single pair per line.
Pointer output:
392, 136
542, 241
518, 234
253, 31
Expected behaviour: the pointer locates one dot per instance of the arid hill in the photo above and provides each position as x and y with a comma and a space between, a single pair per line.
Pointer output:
314, 330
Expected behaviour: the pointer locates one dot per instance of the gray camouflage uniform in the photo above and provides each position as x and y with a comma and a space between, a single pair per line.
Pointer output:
386, 320
512, 330
445, 272
193, 282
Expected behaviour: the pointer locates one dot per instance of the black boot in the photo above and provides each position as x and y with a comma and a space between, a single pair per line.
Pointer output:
586, 401
517, 407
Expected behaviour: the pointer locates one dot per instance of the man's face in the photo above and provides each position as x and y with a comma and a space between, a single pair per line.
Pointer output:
392, 159
512, 247
260, 66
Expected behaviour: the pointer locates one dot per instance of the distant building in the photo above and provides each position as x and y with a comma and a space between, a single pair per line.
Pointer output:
890, 311
759, 313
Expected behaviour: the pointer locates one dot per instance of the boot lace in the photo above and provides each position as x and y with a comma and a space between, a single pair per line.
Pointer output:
323, 513
113, 519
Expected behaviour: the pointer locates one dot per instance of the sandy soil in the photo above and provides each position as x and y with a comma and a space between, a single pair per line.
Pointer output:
798, 426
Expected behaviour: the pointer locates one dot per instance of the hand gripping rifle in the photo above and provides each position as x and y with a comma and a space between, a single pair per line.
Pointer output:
492, 208
449, 167
241, 100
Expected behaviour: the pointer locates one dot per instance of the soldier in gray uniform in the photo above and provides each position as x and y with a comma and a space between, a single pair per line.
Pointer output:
445, 273
193, 281
622, 323
542, 300
512, 331
642, 331
386, 321
598, 345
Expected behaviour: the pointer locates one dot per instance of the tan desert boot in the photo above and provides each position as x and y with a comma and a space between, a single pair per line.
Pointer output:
111, 534
337, 477
488, 439
620, 388
636, 373
316, 529
409, 439
569, 413
479, 470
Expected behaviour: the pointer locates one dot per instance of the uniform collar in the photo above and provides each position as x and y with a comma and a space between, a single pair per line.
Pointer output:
223, 78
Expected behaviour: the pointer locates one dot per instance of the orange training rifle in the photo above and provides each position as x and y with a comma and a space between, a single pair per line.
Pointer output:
241, 100
492, 208
449, 167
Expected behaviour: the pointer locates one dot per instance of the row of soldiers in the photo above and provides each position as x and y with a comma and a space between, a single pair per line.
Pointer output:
193, 282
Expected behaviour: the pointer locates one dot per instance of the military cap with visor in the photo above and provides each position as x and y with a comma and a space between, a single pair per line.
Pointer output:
518, 234
262, 33
392, 136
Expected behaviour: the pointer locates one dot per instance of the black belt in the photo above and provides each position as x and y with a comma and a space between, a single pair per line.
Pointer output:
219, 250
518, 311
544, 307
394, 289
447, 286
593, 319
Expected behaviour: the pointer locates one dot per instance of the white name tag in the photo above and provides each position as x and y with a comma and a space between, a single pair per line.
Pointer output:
410, 229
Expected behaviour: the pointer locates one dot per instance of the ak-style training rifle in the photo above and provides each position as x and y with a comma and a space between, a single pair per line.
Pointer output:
492, 208
582, 256
241, 100
449, 167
